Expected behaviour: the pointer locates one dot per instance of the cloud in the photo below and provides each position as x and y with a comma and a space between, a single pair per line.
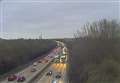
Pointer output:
53, 19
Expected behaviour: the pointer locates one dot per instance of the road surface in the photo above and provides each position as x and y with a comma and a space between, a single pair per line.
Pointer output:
55, 68
27, 71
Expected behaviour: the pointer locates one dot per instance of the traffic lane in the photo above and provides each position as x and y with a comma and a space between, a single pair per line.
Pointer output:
49, 57
44, 63
55, 68
45, 78
26, 72
64, 76
59, 68
62, 70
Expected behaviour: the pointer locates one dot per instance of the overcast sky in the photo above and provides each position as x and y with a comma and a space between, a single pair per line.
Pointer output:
52, 18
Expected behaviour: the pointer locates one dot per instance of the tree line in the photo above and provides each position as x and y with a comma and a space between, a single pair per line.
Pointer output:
94, 53
14, 53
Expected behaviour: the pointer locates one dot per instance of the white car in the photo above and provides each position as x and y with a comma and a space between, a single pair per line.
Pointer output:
33, 69
35, 64
56, 56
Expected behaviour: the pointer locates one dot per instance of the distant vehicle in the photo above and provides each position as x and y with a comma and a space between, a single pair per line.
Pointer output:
49, 73
58, 75
64, 50
63, 59
57, 60
35, 64
12, 77
45, 60
51, 56
57, 56
33, 69
40, 61
21, 79
52, 61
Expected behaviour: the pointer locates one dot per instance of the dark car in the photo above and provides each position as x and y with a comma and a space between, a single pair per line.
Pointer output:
49, 73
40, 61
58, 76
51, 56
12, 77
21, 79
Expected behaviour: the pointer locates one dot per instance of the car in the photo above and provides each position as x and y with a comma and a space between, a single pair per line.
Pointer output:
58, 76
57, 61
21, 79
33, 69
48, 56
12, 77
57, 56
53, 61
35, 64
43, 59
46, 61
49, 73
40, 61
51, 56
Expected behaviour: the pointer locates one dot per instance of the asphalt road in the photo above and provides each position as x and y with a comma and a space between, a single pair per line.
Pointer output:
27, 71
55, 68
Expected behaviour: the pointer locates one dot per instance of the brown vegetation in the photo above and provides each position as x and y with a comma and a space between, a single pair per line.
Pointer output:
95, 57
14, 53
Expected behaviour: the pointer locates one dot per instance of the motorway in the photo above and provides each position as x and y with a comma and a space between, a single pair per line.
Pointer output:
40, 66
55, 68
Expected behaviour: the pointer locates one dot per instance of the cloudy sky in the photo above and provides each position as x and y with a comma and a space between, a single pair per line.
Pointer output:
52, 18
